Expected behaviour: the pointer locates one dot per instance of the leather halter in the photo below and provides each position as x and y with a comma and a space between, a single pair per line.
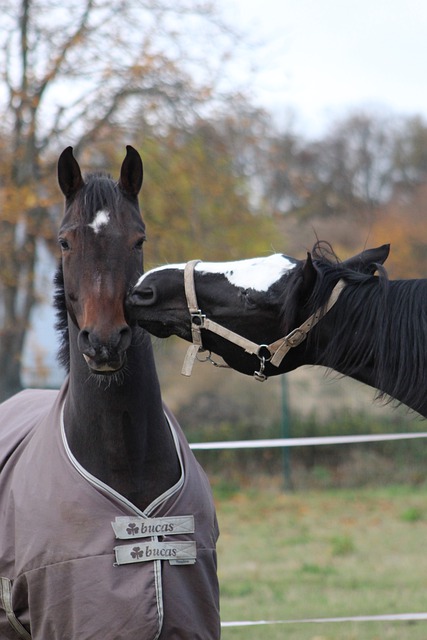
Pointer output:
273, 352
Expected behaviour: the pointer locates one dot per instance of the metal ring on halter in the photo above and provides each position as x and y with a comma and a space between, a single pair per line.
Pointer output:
208, 358
263, 356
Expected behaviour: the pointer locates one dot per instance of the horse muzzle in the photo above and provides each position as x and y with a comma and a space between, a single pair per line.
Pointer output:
108, 355
104, 368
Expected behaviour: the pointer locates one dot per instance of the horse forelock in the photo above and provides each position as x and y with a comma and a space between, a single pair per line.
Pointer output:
100, 194
329, 270
290, 286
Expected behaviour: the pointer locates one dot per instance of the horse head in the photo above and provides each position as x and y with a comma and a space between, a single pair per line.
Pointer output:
236, 294
101, 238
257, 299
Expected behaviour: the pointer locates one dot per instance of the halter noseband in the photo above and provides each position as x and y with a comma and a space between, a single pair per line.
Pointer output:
273, 352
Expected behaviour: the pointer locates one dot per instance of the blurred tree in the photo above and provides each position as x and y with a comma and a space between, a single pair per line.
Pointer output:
403, 222
344, 186
410, 153
68, 73
351, 170
194, 188
347, 172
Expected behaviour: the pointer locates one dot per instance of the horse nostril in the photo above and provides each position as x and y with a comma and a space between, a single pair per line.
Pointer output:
102, 347
85, 345
143, 296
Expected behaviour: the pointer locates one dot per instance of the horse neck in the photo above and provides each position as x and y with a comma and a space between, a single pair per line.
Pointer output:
348, 341
116, 427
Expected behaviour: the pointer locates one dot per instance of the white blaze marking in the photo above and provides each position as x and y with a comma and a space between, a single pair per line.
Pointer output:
254, 273
100, 220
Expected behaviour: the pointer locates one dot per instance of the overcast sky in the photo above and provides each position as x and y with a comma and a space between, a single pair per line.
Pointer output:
326, 56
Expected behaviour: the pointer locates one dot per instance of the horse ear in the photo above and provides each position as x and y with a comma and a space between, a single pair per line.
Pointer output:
69, 174
131, 172
367, 261
309, 275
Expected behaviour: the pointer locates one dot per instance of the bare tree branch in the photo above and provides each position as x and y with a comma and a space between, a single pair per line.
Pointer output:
68, 73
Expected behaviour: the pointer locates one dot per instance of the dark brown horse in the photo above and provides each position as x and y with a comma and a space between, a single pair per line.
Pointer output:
103, 459
284, 313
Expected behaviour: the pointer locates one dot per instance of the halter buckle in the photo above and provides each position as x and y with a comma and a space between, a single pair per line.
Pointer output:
295, 337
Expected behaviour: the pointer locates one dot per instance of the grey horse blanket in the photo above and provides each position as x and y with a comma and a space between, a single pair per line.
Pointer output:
66, 573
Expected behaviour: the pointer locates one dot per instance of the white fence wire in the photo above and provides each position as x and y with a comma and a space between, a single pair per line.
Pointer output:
305, 442
393, 617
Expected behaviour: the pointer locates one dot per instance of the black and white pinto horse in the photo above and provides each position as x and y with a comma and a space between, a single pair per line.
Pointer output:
107, 523
268, 316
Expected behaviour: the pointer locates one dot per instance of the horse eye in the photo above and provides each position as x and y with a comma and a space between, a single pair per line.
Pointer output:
63, 244
139, 243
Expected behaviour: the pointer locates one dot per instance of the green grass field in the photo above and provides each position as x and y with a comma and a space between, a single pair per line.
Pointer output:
323, 554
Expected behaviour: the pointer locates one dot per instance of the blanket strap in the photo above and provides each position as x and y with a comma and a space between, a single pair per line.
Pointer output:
6, 602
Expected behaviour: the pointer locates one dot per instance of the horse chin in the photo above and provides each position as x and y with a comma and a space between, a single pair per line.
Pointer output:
158, 329
105, 368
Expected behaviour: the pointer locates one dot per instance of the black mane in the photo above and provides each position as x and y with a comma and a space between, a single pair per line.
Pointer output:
61, 324
379, 324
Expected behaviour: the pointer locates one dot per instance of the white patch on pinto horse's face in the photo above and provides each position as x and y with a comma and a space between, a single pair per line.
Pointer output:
254, 273
101, 219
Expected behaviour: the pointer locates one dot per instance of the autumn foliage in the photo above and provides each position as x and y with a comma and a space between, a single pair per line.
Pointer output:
403, 220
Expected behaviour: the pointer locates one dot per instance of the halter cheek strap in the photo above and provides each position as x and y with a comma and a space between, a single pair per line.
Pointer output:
281, 347
197, 318
199, 321
273, 353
